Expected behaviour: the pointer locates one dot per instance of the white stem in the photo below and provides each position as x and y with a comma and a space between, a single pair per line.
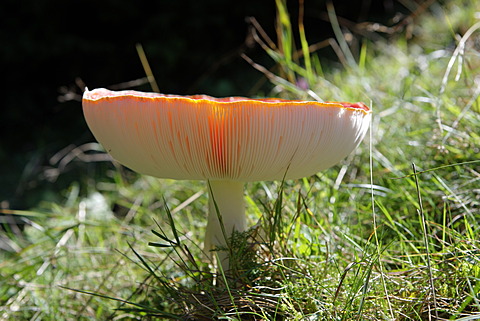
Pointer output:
228, 196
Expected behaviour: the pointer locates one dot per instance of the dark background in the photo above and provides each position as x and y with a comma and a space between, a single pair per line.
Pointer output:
50, 47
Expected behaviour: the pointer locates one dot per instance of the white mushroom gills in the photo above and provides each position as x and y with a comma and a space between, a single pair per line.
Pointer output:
224, 141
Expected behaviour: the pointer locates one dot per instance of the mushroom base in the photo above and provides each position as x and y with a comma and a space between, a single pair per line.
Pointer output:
226, 197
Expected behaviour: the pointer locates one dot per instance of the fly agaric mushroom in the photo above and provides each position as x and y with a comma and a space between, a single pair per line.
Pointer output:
226, 141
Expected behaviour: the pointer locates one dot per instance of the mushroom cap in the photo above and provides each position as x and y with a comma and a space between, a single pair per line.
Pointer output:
240, 139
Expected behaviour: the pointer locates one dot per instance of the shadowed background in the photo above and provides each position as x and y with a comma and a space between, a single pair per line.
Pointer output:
51, 49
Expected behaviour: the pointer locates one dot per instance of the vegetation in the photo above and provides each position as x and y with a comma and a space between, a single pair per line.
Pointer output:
391, 233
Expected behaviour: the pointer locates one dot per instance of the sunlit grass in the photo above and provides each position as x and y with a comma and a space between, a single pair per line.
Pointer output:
365, 240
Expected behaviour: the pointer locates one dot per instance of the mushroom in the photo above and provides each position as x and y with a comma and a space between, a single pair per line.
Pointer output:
225, 141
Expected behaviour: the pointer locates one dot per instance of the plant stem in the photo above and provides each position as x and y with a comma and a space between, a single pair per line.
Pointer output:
227, 198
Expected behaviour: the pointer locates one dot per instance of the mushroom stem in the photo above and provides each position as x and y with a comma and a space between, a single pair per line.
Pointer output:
227, 197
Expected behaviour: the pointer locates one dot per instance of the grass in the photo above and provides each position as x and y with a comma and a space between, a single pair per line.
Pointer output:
391, 233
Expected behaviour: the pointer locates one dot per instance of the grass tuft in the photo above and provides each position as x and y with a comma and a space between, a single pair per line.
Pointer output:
370, 239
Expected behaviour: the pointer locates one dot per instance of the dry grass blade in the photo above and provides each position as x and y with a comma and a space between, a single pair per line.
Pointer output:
457, 54
146, 68
427, 249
